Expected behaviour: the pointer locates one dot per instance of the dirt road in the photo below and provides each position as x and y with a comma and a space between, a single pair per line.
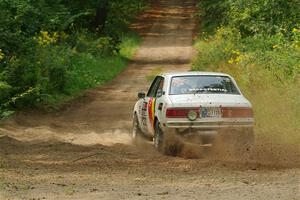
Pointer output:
84, 151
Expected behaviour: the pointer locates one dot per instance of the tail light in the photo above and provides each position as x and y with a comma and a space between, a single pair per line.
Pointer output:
227, 112
239, 112
179, 112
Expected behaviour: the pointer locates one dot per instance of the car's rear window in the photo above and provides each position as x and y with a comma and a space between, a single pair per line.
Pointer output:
198, 84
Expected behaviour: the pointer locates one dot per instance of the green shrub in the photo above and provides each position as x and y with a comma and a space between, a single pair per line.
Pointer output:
251, 17
88, 69
5, 91
275, 53
214, 12
52, 49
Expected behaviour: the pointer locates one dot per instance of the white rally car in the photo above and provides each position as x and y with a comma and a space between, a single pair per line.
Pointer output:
197, 106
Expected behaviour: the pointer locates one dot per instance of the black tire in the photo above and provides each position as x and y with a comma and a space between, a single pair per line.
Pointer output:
158, 139
137, 133
165, 143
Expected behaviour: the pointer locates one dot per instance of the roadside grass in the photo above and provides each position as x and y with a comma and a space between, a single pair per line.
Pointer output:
129, 45
88, 70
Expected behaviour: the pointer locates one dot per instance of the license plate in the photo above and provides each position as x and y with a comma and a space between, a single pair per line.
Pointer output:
210, 112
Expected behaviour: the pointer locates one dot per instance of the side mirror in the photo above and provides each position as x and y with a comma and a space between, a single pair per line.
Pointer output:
141, 95
159, 93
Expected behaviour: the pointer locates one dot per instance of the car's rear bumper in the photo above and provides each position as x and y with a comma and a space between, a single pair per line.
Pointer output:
207, 130
211, 124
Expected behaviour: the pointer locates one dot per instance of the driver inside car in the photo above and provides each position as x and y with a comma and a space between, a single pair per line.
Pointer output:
180, 86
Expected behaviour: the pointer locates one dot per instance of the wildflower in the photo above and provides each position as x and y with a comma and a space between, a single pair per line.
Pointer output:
295, 30
235, 52
46, 38
238, 59
295, 45
231, 61
275, 46
1, 55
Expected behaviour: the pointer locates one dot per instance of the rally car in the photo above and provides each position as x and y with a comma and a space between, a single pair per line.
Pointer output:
196, 106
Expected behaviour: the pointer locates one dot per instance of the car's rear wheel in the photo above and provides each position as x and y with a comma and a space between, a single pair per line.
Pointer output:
137, 133
158, 139
166, 143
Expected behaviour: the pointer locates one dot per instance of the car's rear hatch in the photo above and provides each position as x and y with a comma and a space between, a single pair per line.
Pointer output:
209, 100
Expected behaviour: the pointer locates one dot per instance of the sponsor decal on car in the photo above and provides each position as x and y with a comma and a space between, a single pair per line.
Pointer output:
151, 109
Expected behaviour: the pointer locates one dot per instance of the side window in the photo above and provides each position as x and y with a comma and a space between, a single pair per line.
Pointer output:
157, 83
160, 86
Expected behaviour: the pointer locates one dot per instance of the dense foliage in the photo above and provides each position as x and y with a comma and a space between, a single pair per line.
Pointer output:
55, 48
251, 17
265, 32
258, 42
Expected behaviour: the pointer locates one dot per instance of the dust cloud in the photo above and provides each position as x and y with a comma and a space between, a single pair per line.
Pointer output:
264, 151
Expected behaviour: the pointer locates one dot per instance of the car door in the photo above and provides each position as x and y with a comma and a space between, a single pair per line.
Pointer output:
159, 101
149, 106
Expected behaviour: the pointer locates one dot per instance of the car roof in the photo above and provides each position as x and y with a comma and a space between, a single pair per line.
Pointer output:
171, 74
